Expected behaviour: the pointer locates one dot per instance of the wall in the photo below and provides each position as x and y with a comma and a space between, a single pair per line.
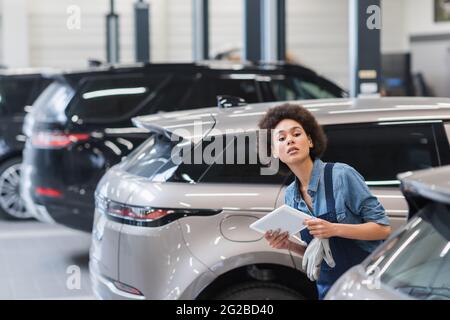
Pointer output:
226, 25
394, 36
405, 18
16, 52
317, 31
317, 35
52, 43
431, 57
420, 18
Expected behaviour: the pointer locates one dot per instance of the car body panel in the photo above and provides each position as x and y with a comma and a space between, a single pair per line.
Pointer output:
207, 195
355, 285
162, 246
104, 257
431, 183
326, 111
222, 254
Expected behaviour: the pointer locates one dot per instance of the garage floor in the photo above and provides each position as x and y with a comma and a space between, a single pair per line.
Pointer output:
40, 261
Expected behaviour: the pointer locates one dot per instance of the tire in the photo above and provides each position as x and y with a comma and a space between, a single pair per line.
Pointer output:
11, 204
258, 290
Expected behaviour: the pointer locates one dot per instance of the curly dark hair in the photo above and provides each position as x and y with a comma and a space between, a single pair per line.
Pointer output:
300, 114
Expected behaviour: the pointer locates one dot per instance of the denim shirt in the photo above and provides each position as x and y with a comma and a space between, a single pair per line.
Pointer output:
355, 204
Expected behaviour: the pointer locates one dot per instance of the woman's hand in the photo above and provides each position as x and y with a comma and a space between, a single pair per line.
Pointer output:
277, 239
321, 229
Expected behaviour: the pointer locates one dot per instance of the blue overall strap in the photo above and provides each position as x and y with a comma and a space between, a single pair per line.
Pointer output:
328, 175
330, 215
346, 252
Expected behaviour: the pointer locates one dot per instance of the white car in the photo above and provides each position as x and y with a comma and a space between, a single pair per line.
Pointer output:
168, 231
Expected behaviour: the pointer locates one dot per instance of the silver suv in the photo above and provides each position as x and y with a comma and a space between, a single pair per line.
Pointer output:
170, 230
415, 262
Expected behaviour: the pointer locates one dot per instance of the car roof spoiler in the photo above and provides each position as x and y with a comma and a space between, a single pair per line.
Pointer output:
189, 125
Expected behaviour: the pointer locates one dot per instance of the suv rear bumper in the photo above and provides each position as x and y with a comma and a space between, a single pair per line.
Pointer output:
105, 289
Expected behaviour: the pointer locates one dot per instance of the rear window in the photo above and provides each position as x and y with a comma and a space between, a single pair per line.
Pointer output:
296, 88
417, 261
380, 152
311, 90
154, 160
149, 157
240, 163
183, 92
219, 159
114, 98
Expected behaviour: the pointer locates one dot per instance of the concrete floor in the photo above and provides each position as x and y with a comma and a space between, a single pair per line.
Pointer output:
41, 261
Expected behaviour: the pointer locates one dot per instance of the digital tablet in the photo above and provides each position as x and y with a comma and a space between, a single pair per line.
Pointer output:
284, 218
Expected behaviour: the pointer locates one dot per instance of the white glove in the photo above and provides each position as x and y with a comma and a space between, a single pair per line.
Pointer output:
317, 250
327, 255
309, 263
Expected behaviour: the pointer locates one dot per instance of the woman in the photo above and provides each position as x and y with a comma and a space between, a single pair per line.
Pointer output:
347, 216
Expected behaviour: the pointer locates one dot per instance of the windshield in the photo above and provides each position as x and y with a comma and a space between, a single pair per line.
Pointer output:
417, 261
294, 88
311, 90
51, 105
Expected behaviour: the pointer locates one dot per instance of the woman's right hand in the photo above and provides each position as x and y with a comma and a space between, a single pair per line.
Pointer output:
277, 239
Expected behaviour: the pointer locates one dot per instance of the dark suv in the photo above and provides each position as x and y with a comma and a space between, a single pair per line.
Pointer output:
18, 90
81, 125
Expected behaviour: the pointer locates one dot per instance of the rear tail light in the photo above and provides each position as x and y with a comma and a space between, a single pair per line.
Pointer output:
137, 213
48, 192
145, 216
45, 139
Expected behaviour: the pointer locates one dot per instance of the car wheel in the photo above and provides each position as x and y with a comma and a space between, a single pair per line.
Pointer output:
11, 203
259, 290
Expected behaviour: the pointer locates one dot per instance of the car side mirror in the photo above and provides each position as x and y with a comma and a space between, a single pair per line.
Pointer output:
226, 101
